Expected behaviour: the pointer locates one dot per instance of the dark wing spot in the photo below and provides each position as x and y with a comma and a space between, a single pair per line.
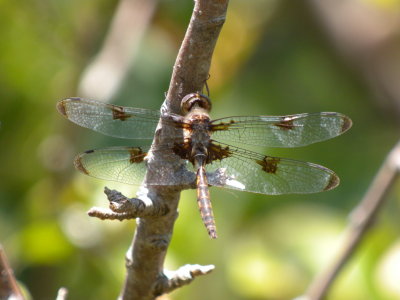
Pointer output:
182, 125
89, 151
285, 124
79, 166
136, 155
61, 108
347, 123
118, 112
221, 126
183, 150
215, 152
269, 164
332, 183
62, 105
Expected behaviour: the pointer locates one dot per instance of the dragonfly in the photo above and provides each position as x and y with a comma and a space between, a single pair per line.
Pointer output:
206, 146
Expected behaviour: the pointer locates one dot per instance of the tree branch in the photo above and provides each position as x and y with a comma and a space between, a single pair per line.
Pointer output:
9, 288
193, 62
361, 219
145, 258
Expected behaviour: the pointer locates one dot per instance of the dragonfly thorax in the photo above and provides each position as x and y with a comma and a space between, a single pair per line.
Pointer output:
197, 134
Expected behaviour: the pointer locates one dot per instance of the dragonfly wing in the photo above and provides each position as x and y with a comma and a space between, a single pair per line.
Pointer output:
128, 165
112, 120
122, 164
280, 131
249, 171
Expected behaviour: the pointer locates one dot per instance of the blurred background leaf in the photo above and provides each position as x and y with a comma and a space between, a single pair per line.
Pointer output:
273, 57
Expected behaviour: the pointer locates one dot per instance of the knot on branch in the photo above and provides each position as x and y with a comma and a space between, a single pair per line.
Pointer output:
124, 208
171, 280
159, 242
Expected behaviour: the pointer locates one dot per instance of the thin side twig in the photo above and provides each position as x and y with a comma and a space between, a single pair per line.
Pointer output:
171, 280
62, 294
9, 288
145, 258
124, 208
360, 220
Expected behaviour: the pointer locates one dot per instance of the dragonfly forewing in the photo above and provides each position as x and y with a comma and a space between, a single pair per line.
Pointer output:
280, 131
112, 120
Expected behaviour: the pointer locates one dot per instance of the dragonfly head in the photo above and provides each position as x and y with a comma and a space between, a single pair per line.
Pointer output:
193, 100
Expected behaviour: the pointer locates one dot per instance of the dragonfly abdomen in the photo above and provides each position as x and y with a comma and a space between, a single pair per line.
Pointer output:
204, 202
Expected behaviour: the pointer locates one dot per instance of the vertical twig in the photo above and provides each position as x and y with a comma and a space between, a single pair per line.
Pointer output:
361, 219
145, 277
8, 285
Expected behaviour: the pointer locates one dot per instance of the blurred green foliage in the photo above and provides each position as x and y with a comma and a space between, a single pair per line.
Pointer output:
271, 58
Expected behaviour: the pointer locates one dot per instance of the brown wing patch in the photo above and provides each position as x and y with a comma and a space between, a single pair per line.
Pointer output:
183, 125
119, 113
136, 155
61, 108
332, 183
221, 126
78, 163
215, 152
269, 164
183, 150
347, 123
285, 124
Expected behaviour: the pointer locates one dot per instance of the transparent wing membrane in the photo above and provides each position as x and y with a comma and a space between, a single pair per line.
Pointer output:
249, 171
280, 131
